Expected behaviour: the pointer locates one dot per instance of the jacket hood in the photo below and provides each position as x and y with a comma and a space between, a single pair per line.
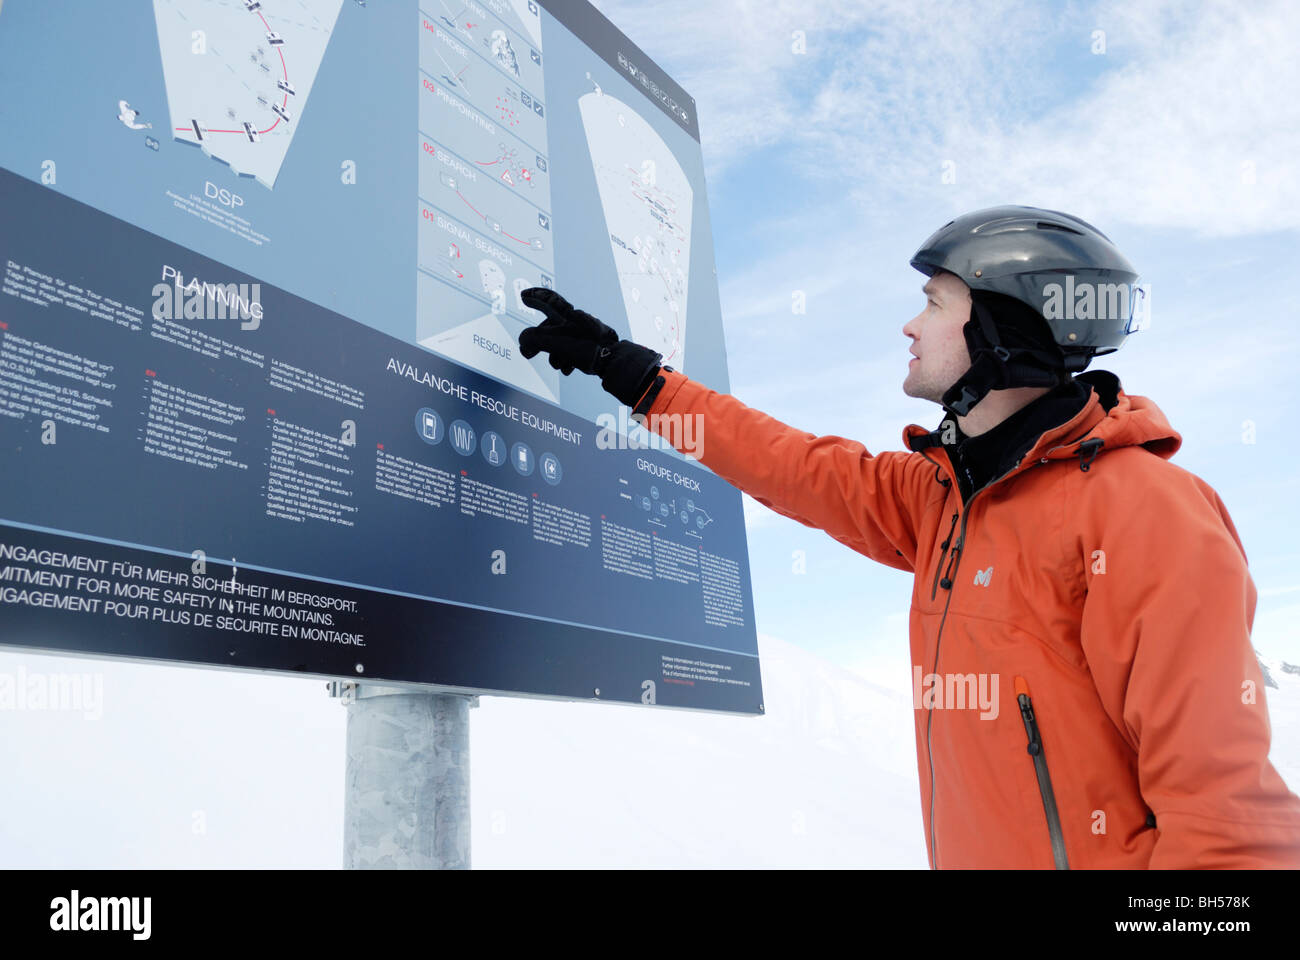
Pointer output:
1109, 420
1129, 420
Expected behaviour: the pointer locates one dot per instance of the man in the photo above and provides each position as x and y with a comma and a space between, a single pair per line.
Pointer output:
1061, 562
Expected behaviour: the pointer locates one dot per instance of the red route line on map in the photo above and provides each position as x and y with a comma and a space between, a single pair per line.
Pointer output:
283, 66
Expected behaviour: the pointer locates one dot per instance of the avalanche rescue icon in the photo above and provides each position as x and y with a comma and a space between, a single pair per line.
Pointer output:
238, 75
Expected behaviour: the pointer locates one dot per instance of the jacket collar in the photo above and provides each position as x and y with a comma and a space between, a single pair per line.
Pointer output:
1110, 419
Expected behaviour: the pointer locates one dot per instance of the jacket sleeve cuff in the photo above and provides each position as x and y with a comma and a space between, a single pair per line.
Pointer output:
654, 382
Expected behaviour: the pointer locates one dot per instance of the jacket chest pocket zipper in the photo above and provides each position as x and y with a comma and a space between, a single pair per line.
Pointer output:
934, 589
1035, 749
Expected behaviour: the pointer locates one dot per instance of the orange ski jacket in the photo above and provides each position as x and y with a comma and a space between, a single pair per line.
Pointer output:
1099, 589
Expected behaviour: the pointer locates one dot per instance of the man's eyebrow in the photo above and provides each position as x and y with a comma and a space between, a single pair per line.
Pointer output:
930, 290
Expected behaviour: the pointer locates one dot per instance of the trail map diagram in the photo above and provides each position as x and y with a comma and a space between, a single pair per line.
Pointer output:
238, 74
647, 202
484, 187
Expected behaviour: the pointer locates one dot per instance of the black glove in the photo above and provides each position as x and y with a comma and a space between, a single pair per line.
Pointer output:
575, 340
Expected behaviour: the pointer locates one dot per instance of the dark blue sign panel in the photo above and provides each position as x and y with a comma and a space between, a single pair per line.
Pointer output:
261, 400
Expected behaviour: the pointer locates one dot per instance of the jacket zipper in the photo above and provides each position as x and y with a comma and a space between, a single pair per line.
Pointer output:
929, 724
956, 551
1035, 749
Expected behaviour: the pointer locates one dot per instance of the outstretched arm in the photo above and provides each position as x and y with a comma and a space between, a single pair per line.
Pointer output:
866, 501
869, 502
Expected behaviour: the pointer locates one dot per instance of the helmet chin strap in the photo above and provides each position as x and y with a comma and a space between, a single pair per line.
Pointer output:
996, 367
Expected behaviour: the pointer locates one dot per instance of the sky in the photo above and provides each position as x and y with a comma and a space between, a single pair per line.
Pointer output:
1170, 126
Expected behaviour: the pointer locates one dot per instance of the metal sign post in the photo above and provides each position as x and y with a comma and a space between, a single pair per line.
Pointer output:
406, 803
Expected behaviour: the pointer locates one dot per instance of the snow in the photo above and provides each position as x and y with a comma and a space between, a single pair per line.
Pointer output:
1284, 715
826, 778
205, 768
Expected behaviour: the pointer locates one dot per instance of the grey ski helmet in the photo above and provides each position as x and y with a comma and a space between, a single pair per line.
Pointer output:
1064, 269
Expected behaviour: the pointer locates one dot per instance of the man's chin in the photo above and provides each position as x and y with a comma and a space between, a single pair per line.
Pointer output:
921, 392
913, 389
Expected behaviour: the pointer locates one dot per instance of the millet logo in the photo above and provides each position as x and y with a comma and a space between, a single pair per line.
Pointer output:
982, 577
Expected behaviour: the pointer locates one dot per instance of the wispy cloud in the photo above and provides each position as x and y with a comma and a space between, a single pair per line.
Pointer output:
1189, 130
826, 171
1184, 121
